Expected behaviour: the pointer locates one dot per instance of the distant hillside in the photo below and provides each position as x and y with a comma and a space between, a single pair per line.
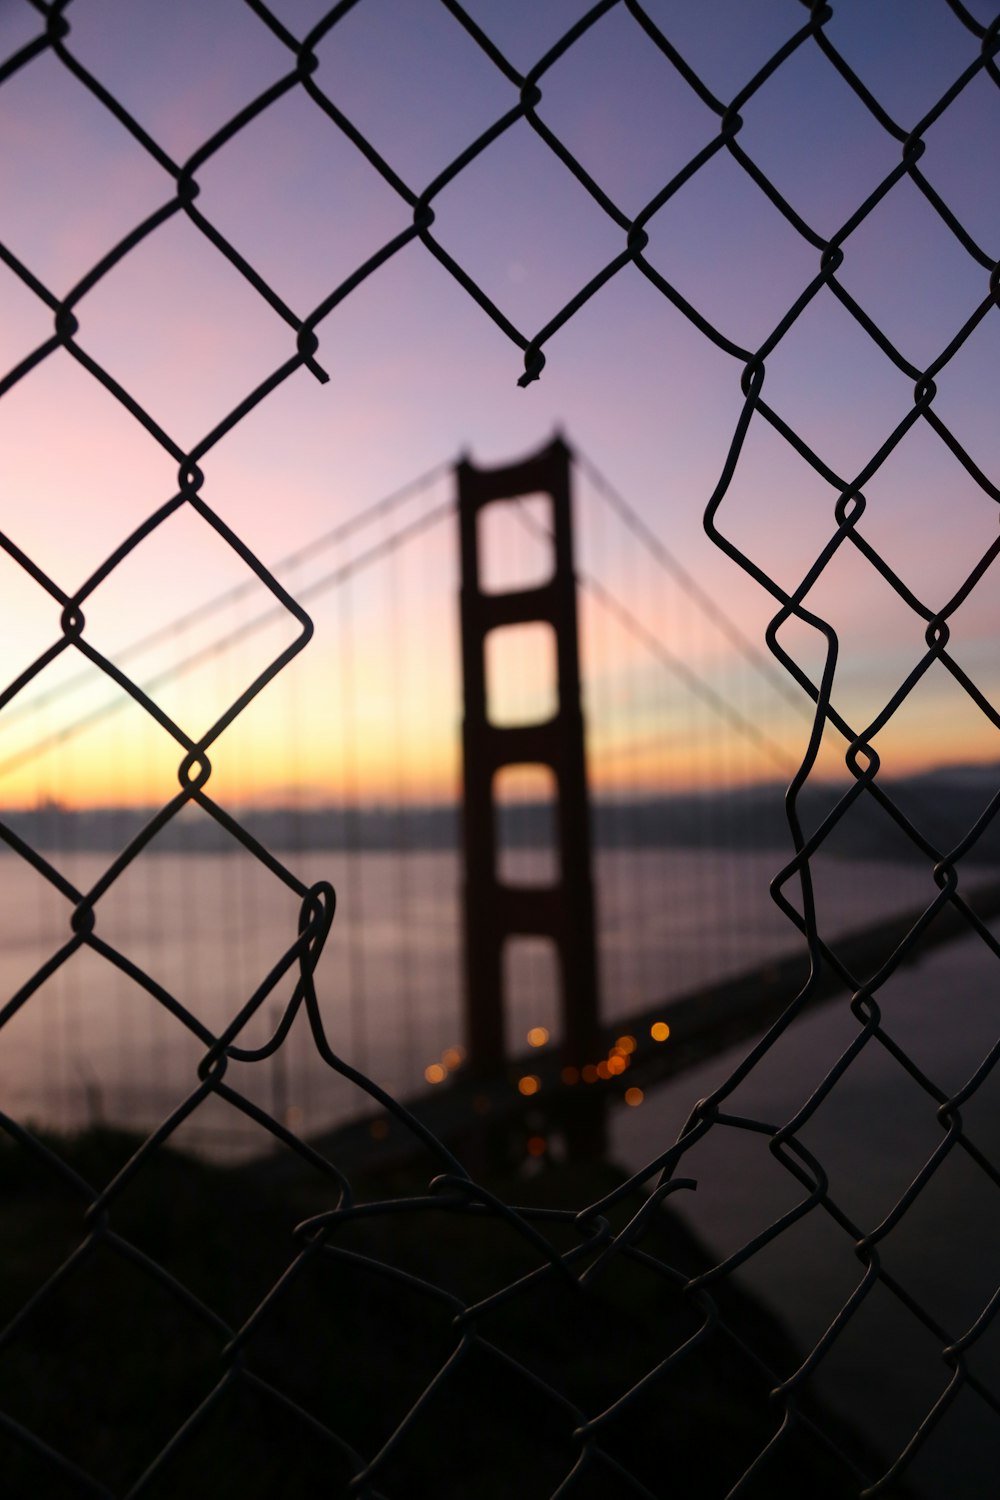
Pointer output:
943, 804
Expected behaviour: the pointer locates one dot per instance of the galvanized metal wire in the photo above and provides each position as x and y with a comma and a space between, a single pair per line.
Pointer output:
600, 1241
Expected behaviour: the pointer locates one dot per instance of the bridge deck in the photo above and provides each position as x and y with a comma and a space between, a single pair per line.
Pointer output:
702, 1024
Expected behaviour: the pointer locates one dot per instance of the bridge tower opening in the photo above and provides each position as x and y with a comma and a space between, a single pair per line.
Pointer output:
496, 909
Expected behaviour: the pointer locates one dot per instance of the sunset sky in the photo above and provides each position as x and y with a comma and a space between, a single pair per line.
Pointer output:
418, 374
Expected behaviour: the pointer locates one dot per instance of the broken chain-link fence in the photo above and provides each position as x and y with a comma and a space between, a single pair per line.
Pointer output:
577, 1348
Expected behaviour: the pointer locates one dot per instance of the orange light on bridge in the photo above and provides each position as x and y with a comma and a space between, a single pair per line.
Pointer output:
659, 1031
589, 1073
570, 1075
452, 1057
616, 1064
626, 1045
529, 1084
538, 1036
536, 1145
603, 1071
435, 1073
634, 1096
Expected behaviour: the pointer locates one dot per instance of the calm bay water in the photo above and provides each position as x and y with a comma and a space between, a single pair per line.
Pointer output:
872, 1134
90, 1042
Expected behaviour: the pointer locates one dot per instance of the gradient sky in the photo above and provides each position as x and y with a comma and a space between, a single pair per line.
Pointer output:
418, 373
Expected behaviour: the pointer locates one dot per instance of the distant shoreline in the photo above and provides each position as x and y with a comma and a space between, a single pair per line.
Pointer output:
943, 805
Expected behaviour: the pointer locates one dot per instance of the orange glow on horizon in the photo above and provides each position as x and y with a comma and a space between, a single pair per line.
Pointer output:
399, 745
146, 776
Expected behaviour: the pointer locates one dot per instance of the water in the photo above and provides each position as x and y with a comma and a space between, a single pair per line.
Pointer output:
208, 928
873, 1134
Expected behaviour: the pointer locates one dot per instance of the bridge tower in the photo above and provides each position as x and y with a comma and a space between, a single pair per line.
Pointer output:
496, 910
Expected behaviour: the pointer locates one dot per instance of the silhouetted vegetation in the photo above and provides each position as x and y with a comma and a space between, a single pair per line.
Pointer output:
109, 1365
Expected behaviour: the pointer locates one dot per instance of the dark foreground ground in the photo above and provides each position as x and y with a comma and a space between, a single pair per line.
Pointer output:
108, 1366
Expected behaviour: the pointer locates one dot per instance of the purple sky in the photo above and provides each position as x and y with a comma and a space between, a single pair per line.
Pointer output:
418, 372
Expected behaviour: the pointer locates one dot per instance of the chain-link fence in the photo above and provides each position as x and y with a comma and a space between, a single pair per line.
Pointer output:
171, 1328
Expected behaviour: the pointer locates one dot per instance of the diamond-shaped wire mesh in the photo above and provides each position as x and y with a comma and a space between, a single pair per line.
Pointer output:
564, 1358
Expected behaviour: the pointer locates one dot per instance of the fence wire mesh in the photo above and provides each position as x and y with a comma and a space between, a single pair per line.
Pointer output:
518, 1372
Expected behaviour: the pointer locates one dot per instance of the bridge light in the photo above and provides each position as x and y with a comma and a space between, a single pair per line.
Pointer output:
536, 1145
538, 1036
452, 1058
659, 1031
435, 1073
616, 1064
589, 1073
603, 1071
634, 1096
625, 1044
570, 1075
529, 1084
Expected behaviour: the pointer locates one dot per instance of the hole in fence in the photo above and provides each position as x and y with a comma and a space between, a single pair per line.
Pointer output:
526, 829
531, 985
515, 544
522, 680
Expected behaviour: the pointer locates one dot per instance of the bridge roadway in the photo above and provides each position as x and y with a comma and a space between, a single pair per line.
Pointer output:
702, 1024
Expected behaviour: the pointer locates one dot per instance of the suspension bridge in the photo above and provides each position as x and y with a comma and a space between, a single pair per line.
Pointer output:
574, 955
